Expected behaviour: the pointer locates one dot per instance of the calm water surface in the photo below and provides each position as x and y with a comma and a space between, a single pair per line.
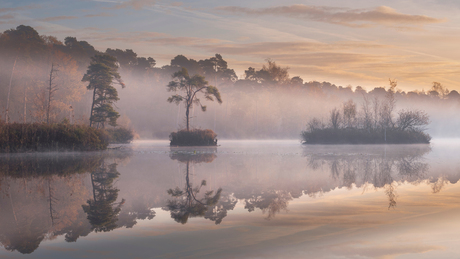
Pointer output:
244, 199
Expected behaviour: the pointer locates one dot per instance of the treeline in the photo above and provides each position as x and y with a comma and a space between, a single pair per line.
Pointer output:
264, 102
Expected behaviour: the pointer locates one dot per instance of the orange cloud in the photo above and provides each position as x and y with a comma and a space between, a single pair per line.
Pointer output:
382, 15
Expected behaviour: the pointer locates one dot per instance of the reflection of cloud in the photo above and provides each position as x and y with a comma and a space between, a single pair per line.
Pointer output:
60, 249
382, 15
58, 18
383, 251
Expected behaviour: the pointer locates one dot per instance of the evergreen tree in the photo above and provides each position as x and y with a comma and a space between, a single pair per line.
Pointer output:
101, 74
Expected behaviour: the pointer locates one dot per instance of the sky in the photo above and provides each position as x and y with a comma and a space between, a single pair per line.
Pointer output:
355, 42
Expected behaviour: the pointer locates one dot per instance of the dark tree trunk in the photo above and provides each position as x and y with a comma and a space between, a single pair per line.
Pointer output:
187, 112
92, 107
9, 91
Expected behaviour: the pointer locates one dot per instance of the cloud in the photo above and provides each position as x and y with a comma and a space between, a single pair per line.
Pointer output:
19, 8
58, 18
135, 4
149, 37
291, 47
382, 15
6, 17
98, 15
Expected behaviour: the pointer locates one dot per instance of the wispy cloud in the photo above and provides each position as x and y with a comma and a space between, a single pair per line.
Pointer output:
135, 4
98, 15
19, 8
6, 17
58, 18
382, 15
289, 47
149, 37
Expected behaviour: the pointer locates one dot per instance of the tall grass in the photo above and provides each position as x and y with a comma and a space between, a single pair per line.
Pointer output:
32, 137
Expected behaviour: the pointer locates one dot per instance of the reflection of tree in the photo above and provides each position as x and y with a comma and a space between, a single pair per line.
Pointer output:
218, 212
189, 202
439, 184
41, 197
270, 202
380, 166
139, 210
103, 209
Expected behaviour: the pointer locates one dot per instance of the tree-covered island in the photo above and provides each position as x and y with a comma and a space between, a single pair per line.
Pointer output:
374, 123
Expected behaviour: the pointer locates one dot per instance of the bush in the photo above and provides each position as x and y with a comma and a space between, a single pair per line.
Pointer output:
120, 135
20, 137
196, 137
361, 136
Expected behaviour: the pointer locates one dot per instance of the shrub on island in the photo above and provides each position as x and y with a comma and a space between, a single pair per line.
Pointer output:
194, 137
30, 137
120, 135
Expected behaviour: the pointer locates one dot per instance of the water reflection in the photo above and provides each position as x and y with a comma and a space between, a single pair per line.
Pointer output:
41, 197
376, 166
44, 196
188, 202
102, 209
270, 202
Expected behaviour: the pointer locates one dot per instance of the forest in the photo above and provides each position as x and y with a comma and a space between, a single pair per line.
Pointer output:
41, 81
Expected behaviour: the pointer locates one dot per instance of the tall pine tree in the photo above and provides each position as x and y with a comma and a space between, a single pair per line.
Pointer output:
102, 74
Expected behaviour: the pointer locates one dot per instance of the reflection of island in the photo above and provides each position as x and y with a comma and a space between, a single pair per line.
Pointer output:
379, 166
188, 202
41, 197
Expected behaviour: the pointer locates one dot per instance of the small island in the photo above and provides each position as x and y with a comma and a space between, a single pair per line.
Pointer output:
375, 123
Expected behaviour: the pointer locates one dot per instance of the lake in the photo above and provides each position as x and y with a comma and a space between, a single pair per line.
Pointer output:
243, 199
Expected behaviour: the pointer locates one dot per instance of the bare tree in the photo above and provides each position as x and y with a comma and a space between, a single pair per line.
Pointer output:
438, 90
52, 87
315, 124
387, 108
335, 118
375, 109
349, 113
367, 114
9, 91
412, 120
